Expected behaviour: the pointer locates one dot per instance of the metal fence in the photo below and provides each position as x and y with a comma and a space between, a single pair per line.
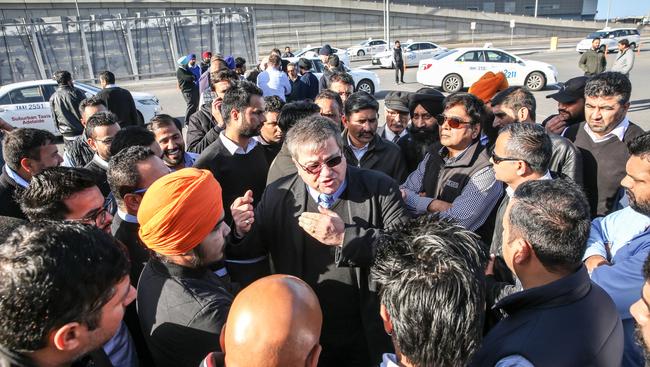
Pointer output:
130, 45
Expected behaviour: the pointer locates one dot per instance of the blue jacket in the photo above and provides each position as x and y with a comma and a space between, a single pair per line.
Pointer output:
307, 87
623, 281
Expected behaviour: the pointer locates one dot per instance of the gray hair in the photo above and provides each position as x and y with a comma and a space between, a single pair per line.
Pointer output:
311, 134
530, 143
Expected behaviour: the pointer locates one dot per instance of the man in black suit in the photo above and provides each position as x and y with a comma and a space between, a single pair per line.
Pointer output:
118, 100
322, 225
26, 153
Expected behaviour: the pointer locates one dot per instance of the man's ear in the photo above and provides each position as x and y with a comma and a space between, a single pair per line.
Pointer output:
92, 144
234, 115
344, 120
27, 164
222, 338
522, 251
68, 337
385, 317
312, 357
523, 114
132, 202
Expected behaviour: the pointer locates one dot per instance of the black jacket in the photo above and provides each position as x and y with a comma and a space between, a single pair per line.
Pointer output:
566, 160
79, 152
569, 322
202, 129
65, 110
382, 156
8, 190
181, 312
281, 166
375, 204
307, 86
120, 102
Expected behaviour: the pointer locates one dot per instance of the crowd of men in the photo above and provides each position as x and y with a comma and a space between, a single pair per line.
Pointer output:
278, 225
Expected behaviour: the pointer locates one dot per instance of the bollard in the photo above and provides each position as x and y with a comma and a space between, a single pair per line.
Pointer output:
554, 42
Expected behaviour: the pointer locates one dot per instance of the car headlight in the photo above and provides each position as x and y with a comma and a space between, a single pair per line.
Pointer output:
149, 102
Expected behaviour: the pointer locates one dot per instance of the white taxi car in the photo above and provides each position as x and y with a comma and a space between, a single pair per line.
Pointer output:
461, 67
414, 52
26, 104
364, 80
311, 51
369, 47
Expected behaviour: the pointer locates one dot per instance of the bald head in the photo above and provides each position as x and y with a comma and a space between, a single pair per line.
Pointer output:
276, 321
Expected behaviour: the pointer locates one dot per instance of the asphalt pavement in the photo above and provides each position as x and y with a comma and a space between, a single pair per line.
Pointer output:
564, 59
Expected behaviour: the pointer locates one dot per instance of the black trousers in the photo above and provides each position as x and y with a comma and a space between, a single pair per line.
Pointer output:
192, 100
399, 72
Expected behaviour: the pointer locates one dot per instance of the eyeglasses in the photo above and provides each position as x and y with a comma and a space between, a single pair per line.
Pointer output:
98, 216
496, 159
315, 168
107, 141
453, 121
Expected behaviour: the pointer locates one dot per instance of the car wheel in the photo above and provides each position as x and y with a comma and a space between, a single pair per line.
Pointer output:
452, 83
601, 48
633, 46
535, 81
366, 86
361, 53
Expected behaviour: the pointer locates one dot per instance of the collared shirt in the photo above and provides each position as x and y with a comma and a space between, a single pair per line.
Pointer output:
482, 190
127, 217
547, 176
100, 161
274, 82
261, 140
234, 148
389, 360
111, 86
190, 158
619, 131
390, 135
610, 233
315, 194
16, 177
358, 152
514, 360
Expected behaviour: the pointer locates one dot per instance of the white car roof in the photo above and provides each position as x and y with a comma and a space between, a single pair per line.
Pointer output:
29, 83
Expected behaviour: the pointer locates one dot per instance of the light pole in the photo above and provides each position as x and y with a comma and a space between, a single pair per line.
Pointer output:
536, 3
609, 8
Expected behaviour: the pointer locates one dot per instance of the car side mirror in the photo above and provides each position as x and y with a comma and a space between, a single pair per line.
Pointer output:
520, 62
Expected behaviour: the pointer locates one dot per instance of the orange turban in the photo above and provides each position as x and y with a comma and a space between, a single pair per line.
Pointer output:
489, 85
179, 211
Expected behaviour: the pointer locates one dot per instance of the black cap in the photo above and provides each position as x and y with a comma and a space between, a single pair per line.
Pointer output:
304, 63
326, 50
571, 91
431, 99
398, 101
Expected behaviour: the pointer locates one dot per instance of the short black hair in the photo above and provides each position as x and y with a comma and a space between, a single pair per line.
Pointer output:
62, 77
516, 98
132, 136
331, 95
342, 77
24, 143
163, 120
122, 174
107, 77
624, 42
91, 102
530, 143
358, 101
595, 38
293, 112
474, 107
609, 84
223, 75
54, 273
106, 118
432, 284
43, 198
240, 62
553, 216
273, 104
640, 146
238, 98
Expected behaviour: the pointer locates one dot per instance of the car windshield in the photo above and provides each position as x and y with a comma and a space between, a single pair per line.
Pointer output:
442, 55
598, 34
89, 87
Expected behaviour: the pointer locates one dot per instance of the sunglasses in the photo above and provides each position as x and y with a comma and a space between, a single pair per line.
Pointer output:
453, 121
315, 168
496, 159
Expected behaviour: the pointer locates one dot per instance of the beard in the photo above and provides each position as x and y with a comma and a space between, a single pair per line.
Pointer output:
638, 335
640, 206
424, 134
180, 152
247, 130
571, 119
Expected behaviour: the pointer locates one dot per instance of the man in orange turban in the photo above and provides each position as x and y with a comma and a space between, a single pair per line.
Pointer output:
488, 85
182, 305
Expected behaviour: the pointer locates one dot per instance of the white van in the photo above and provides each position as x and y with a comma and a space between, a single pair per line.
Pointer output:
609, 38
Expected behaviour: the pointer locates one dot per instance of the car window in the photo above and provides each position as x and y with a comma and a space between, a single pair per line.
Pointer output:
26, 95
442, 55
472, 56
49, 89
5, 99
414, 47
497, 56
424, 46
634, 32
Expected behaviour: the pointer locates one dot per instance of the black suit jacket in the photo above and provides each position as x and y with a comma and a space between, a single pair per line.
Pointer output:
120, 102
8, 204
375, 204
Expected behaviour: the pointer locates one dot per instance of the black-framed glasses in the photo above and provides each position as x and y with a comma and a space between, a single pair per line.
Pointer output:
496, 159
453, 121
315, 168
98, 216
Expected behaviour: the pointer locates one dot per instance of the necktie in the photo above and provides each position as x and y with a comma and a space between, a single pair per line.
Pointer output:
325, 200
395, 139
